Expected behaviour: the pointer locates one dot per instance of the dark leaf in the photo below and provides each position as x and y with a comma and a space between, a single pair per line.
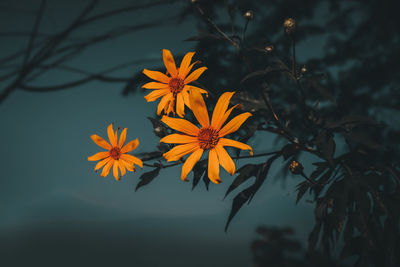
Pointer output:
248, 194
206, 181
159, 128
245, 173
150, 155
238, 202
362, 140
288, 151
147, 177
314, 235
199, 170
302, 188
350, 121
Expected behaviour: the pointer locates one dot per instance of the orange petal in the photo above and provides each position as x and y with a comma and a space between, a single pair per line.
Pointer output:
195, 88
132, 159
99, 156
184, 67
164, 102
156, 75
185, 95
180, 105
155, 85
233, 143
107, 168
192, 65
190, 162
128, 165
115, 170
130, 146
169, 63
122, 138
199, 108
179, 151
225, 160
181, 125
234, 124
170, 107
213, 167
102, 163
156, 94
226, 115
178, 139
220, 109
100, 141
122, 168
111, 135
194, 75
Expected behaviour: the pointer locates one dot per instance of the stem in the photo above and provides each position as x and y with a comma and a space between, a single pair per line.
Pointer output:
244, 30
230, 17
159, 165
308, 179
201, 11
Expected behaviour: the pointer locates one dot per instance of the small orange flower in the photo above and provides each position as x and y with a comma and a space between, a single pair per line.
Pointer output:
174, 88
116, 155
208, 137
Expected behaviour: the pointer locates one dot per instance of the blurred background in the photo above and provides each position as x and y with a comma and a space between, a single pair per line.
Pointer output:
56, 211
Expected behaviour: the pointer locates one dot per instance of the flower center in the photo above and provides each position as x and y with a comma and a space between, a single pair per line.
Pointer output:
208, 138
115, 152
176, 85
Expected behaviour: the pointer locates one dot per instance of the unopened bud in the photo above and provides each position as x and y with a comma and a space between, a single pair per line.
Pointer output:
303, 69
249, 15
296, 167
289, 25
194, 1
269, 48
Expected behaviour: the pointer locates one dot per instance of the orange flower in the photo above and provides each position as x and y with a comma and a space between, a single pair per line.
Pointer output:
116, 155
174, 88
208, 137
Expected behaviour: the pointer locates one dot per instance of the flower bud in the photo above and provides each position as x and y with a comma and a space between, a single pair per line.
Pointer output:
303, 69
157, 129
269, 48
296, 167
249, 14
289, 25
194, 2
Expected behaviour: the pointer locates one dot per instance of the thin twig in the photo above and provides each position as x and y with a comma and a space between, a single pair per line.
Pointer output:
201, 11
34, 31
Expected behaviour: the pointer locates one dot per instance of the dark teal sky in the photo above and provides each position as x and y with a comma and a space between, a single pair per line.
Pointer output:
56, 210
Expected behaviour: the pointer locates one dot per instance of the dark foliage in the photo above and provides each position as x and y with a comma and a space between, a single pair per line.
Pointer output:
275, 248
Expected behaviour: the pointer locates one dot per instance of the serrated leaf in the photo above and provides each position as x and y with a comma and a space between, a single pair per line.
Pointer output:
248, 194
245, 173
147, 177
